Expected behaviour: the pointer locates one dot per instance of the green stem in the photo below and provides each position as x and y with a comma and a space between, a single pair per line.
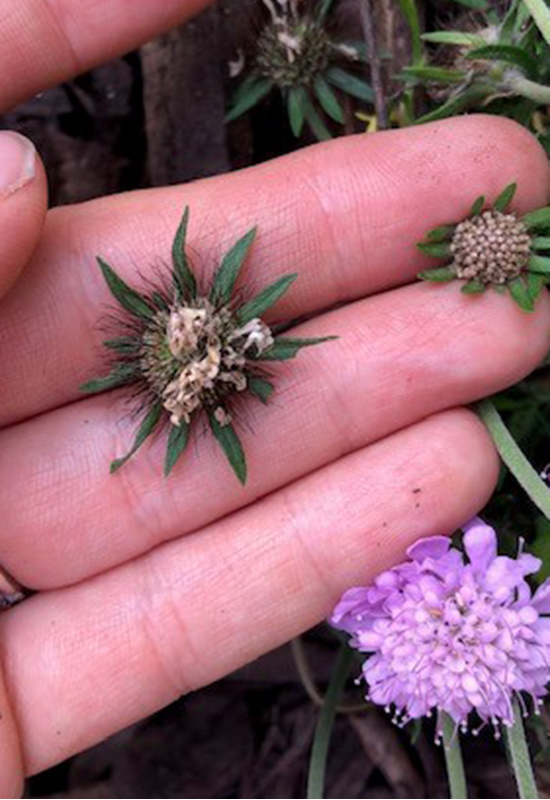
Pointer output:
541, 14
410, 12
513, 457
518, 755
319, 751
536, 92
453, 757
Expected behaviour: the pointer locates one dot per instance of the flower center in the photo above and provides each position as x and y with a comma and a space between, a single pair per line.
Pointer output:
293, 53
491, 248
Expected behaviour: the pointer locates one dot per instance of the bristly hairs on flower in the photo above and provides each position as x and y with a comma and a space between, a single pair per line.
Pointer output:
297, 56
494, 247
450, 635
185, 352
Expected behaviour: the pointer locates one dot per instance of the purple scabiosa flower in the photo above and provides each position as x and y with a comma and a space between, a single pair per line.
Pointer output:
451, 634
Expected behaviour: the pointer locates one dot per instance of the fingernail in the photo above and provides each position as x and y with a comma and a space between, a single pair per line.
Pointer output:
17, 162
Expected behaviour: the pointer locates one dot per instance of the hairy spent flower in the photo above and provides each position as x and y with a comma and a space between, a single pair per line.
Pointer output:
185, 352
494, 248
452, 635
297, 56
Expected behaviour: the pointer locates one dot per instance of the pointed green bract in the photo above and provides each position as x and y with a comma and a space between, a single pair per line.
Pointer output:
228, 272
177, 442
519, 291
473, 287
120, 376
350, 84
439, 74
328, 100
128, 298
250, 94
184, 280
127, 345
146, 428
296, 106
315, 122
539, 264
440, 234
541, 243
505, 198
535, 284
285, 348
260, 388
438, 275
539, 219
477, 206
435, 249
231, 446
264, 300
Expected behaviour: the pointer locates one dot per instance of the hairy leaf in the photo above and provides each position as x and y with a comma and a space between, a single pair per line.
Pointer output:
328, 100
128, 298
438, 275
121, 375
184, 280
296, 106
435, 249
350, 84
256, 90
231, 446
146, 428
505, 197
228, 272
285, 348
519, 291
265, 299
260, 388
473, 287
177, 442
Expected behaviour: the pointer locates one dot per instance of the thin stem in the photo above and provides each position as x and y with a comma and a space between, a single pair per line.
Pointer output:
536, 92
380, 105
453, 757
323, 730
541, 14
513, 457
410, 12
518, 755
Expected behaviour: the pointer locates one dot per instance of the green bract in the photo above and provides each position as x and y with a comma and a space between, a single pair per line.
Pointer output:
296, 55
185, 352
493, 247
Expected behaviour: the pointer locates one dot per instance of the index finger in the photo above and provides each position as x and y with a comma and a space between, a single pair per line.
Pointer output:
51, 40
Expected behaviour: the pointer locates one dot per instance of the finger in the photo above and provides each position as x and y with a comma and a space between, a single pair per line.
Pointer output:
400, 356
113, 649
344, 216
51, 40
22, 205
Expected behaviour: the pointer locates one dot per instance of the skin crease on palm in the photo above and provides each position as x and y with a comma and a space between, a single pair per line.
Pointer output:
151, 588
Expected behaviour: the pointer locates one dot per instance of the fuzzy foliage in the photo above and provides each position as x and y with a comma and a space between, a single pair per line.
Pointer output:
493, 248
184, 352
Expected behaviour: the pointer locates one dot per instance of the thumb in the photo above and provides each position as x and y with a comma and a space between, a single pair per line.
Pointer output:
23, 200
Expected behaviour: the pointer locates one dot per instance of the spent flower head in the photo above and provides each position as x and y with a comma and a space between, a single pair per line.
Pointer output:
185, 352
451, 634
296, 55
494, 247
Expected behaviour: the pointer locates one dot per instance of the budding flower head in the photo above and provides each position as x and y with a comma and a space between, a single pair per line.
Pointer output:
493, 247
185, 352
452, 634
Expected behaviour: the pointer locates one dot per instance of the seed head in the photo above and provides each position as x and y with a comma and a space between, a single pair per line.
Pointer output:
491, 248
293, 52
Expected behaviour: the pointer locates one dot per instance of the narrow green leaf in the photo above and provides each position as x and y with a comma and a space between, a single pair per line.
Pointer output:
535, 284
454, 37
265, 299
537, 220
453, 757
438, 275
437, 74
119, 376
477, 206
255, 92
541, 243
409, 10
473, 287
146, 428
350, 84
260, 388
127, 345
539, 264
323, 730
296, 106
518, 755
316, 124
177, 442
228, 272
507, 53
440, 234
128, 298
520, 293
285, 348
184, 280
231, 446
505, 197
435, 249
328, 100
456, 105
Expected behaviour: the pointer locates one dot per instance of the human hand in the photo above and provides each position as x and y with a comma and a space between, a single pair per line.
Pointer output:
148, 588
